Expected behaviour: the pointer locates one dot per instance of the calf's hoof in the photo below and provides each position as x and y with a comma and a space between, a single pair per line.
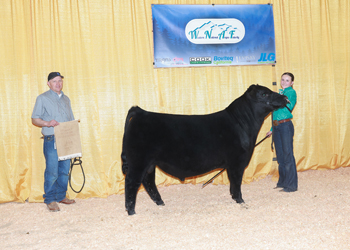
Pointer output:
131, 212
160, 203
239, 200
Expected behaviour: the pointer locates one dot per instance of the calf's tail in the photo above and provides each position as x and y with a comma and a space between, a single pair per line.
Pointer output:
132, 112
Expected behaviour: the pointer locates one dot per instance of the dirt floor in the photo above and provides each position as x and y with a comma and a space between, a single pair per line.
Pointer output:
317, 216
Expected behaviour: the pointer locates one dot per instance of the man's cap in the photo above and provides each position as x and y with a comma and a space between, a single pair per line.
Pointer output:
53, 75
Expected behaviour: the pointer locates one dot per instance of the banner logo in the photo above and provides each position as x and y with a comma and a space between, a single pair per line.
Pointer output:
215, 31
267, 58
200, 60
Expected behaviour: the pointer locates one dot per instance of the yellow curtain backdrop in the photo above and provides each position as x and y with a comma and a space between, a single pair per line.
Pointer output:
105, 51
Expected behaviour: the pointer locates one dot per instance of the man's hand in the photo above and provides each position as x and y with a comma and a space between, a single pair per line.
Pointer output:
41, 123
52, 123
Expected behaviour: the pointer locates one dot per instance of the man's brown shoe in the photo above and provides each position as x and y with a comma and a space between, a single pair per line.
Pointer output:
67, 201
53, 207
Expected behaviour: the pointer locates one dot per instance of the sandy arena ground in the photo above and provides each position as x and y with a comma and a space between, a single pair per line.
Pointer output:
317, 216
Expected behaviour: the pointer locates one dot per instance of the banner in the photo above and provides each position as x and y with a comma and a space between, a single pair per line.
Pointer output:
213, 35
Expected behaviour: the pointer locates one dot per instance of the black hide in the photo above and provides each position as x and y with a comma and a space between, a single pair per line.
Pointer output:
191, 145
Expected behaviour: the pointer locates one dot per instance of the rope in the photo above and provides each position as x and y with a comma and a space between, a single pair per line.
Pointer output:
76, 161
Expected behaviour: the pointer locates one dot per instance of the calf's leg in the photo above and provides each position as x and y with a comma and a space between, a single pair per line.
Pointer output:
235, 177
132, 184
149, 183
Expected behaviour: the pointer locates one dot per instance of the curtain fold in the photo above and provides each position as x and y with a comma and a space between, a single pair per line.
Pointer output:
105, 51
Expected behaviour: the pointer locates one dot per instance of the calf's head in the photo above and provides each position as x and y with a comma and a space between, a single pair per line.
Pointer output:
265, 98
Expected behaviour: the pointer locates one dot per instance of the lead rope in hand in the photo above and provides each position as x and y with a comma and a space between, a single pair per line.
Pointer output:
76, 161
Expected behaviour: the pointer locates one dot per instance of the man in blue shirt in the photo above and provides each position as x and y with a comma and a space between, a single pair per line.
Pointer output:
51, 108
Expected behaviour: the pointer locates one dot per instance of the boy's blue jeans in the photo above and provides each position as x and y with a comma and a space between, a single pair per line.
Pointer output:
283, 138
56, 173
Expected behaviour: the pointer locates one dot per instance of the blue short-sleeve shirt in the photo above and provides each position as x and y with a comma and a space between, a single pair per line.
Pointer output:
50, 106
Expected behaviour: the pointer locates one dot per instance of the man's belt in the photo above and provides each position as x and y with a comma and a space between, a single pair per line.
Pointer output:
276, 123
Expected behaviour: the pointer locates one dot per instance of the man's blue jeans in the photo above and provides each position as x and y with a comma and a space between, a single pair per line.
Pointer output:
56, 173
283, 138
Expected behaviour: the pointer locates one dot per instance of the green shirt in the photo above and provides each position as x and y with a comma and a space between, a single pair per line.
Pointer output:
284, 113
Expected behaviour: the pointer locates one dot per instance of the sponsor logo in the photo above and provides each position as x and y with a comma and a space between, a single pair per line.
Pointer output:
215, 31
223, 60
169, 61
245, 59
178, 61
163, 60
200, 60
264, 58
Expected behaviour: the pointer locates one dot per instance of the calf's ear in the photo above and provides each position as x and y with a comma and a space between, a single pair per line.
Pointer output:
251, 87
